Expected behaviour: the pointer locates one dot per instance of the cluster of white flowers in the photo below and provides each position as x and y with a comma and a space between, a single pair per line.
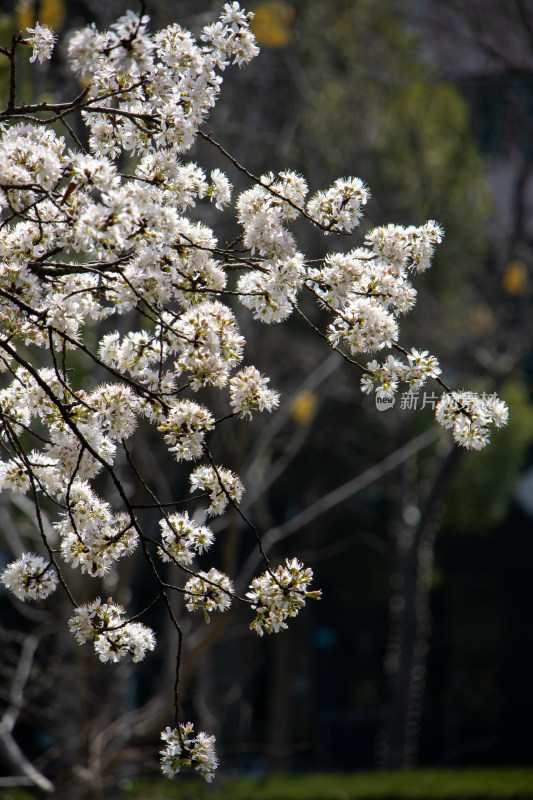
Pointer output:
113, 638
364, 325
369, 287
384, 378
42, 40
249, 391
135, 354
209, 591
280, 594
340, 207
30, 577
96, 420
221, 484
469, 415
208, 343
14, 476
185, 749
83, 240
174, 77
92, 537
182, 538
185, 428
271, 292
410, 248
262, 215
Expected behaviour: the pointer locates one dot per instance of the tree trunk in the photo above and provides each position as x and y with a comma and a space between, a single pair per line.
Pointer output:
407, 648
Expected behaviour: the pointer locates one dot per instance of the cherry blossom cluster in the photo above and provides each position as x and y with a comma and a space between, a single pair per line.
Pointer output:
249, 390
111, 233
209, 591
340, 207
185, 428
280, 594
222, 486
469, 415
182, 538
185, 749
30, 577
384, 378
113, 638
42, 40
92, 536
369, 287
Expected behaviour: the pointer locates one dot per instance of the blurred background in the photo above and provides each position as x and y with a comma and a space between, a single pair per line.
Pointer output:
421, 649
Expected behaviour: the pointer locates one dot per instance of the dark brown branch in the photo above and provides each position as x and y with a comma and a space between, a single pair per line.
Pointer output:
278, 195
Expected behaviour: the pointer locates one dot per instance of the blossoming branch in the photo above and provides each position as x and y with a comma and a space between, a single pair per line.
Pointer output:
81, 242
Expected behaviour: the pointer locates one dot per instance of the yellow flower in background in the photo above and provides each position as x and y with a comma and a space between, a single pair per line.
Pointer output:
271, 24
514, 279
50, 13
481, 319
303, 407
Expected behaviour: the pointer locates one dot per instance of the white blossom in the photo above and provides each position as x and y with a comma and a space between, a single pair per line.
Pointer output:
85, 239
363, 325
30, 577
42, 40
208, 591
385, 377
469, 416
14, 476
221, 484
92, 536
276, 595
340, 207
249, 391
133, 638
182, 538
113, 638
185, 749
185, 427
411, 247
220, 190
